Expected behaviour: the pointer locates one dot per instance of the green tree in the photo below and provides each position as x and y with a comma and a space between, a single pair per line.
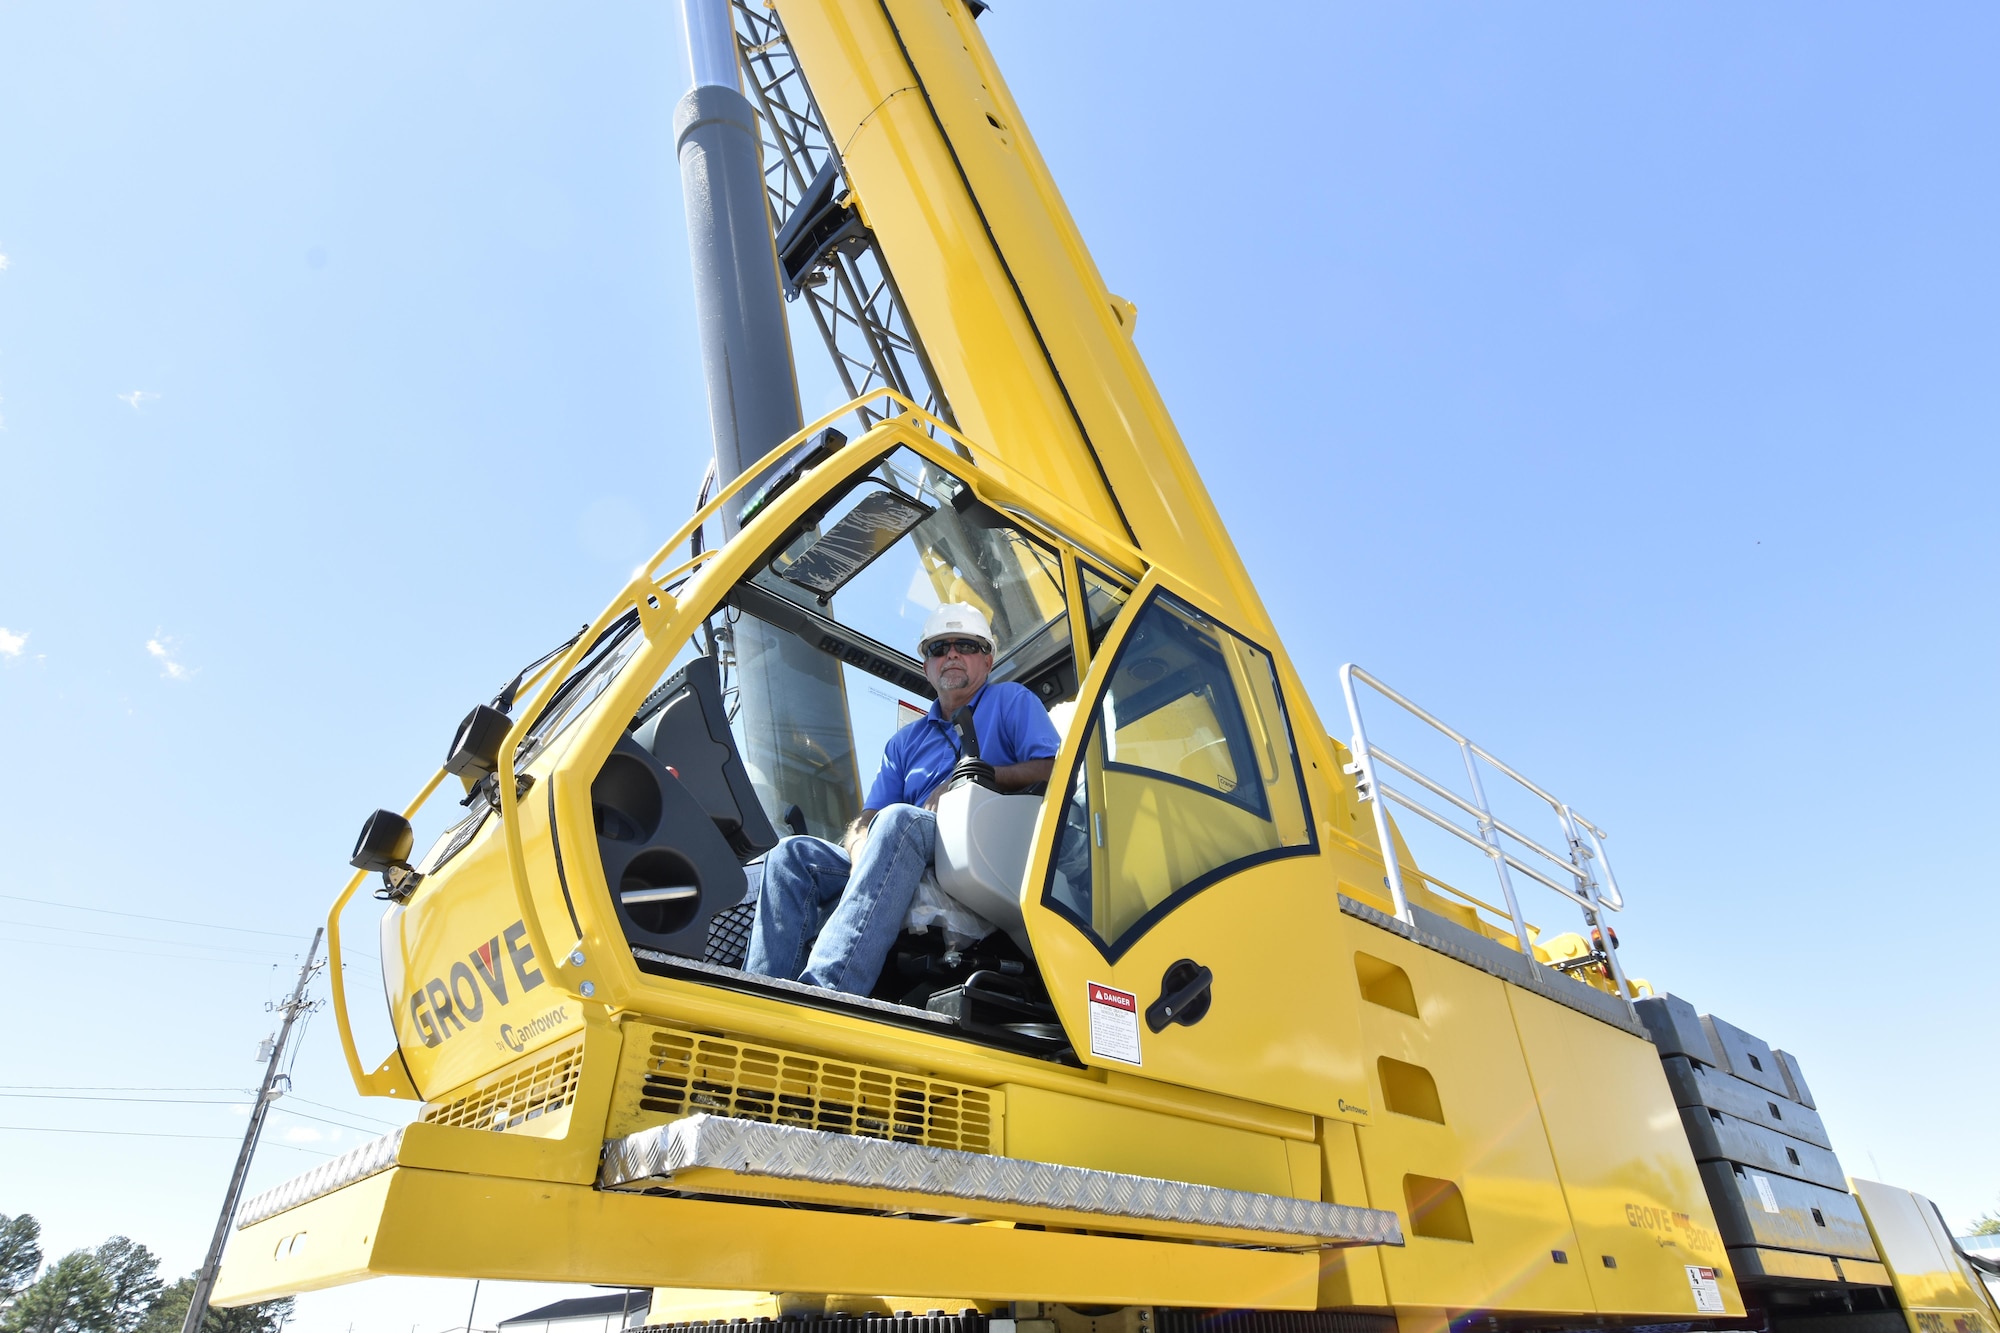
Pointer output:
169, 1312
20, 1255
73, 1296
132, 1271
169, 1309
1986, 1224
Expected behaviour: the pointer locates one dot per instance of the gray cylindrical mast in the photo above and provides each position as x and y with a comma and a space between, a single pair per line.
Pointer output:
746, 350
792, 709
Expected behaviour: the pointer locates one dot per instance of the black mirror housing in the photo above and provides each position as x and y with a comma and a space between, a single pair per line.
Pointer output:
475, 750
385, 843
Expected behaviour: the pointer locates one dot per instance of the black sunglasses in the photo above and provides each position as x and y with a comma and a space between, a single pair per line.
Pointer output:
963, 647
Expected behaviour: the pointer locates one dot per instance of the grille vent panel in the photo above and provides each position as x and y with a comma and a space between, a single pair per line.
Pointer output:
523, 1091
688, 1074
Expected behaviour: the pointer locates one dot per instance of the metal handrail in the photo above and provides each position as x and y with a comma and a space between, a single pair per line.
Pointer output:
1584, 839
1475, 811
1403, 800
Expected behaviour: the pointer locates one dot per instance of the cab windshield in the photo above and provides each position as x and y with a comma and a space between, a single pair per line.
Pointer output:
818, 647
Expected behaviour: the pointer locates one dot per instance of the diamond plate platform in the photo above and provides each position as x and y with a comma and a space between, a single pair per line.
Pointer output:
371, 1157
759, 1151
1452, 940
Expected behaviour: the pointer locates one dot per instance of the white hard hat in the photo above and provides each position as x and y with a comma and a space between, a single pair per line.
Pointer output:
956, 619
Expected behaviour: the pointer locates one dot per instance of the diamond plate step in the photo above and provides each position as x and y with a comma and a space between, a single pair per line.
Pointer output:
715, 1154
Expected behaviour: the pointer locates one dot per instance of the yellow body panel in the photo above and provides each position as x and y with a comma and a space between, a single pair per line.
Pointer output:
1863, 1271
1490, 1143
1627, 1171
1077, 1131
1938, 1290
471, 945
563, 1142
1282, 1026
446, 1224
1788, 1264
1347, 1277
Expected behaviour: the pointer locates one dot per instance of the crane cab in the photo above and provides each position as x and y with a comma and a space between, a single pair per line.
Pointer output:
1158, 911
1117, 986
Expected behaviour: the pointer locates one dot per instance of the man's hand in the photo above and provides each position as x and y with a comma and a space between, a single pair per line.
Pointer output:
856, 836
1013, 777
1008, 778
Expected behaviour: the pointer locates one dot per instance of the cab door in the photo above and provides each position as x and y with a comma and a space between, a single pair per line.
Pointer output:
1180, 912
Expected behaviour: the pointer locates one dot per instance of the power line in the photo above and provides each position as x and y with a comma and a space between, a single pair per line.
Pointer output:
150, 1134
143, 939
341, 1110
118, 1133
189, 1101
283, 1109
23, 1089
140, 916
305, 1026
180, 944
152, 953
151, 1101
148, 939
97, 1087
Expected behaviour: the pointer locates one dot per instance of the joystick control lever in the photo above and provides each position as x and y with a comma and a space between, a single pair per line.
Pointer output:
970, 767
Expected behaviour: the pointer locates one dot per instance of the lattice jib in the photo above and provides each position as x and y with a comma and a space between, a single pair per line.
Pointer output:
852, 296
524, 1091
687, 1074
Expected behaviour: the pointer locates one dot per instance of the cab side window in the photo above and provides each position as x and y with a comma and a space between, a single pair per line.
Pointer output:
1188, 774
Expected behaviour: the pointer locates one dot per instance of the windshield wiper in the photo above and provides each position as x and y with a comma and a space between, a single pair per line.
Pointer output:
504, 701
613, 634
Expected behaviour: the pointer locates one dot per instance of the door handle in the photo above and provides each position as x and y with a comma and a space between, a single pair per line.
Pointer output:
1184, 996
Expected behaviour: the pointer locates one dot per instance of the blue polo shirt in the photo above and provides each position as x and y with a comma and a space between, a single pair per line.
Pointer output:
1012, 726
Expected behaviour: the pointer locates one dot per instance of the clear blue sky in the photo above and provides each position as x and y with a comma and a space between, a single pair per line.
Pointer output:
1617, 380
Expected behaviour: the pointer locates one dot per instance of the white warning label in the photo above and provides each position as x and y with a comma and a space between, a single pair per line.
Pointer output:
1114, 1024
1707, 1290
1763, 1184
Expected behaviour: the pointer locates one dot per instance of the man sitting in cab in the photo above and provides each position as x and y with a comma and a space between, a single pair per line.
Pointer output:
827, 916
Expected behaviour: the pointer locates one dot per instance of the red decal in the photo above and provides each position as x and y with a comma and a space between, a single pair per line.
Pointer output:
1117, 999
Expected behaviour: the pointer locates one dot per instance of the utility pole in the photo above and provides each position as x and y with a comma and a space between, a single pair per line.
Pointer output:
204, 1282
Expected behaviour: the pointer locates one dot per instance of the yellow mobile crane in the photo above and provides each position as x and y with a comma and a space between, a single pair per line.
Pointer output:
1191, 1037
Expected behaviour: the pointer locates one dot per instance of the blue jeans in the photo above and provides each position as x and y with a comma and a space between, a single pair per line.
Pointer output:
855, 910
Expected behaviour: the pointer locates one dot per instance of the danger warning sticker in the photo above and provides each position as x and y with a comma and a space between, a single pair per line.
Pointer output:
1707, 1290
1114, 1024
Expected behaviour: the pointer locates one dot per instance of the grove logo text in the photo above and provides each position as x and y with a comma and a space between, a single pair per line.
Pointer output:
442, 1006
